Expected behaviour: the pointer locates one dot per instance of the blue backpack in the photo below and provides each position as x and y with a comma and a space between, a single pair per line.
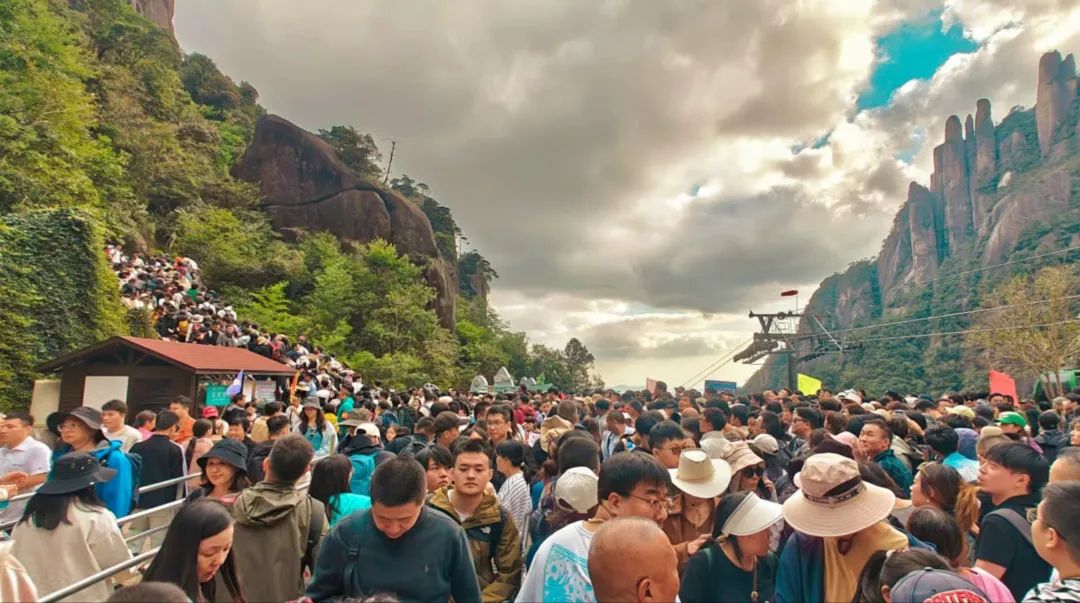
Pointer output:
363, 466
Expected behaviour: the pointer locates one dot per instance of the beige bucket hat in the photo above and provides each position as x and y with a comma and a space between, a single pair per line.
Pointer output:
833, 500
699, 476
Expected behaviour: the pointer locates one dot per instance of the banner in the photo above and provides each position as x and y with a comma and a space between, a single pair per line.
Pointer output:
1002, 383
808, 385
722, 386
650, 384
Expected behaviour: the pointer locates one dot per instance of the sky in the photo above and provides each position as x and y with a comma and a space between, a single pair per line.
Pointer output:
642, 174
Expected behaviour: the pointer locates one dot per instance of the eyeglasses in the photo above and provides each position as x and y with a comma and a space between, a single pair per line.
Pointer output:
657, 504
752, 472
676, 450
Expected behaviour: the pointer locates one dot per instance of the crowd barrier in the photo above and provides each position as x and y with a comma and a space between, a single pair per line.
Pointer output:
136, 560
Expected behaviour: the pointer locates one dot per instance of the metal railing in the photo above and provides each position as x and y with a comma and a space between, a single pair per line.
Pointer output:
136, 560
7, 525
93, 579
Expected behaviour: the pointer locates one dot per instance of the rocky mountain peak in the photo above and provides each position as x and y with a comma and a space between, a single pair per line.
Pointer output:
1055, 96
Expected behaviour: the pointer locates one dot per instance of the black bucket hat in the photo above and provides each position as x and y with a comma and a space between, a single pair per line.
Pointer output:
232, 452
75, 471
91, 417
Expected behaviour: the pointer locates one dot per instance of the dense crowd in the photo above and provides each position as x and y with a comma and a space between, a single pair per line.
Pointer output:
184, 309
357, 493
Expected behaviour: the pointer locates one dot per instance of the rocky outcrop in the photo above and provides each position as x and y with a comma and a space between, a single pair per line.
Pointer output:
1054, 98
1041, 202
923, 234
956, 186
895, 257
985, 146
306, 187
995, 190
159, 11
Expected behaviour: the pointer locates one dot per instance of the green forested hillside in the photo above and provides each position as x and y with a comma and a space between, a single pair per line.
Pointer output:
101, 114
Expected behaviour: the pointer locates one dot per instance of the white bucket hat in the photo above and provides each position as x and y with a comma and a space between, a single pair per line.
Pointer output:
699, 476
833, 500
752, 516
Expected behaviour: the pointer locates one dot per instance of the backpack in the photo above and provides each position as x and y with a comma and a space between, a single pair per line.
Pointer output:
135, 460
388, 418
413, 448
363, 466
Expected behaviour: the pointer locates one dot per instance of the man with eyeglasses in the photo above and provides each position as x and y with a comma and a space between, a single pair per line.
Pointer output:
667, 441
630, 485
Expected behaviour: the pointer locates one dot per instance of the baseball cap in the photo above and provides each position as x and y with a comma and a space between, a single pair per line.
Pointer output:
935, 586
850, 394
1012, 418
962, 411
368, 429
576, 489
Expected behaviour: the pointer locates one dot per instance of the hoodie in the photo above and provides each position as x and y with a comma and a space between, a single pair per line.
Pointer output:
278, 531
364, 456
499, 574
117, 493
1051, 442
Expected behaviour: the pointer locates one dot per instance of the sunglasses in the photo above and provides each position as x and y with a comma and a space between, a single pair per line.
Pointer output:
752, 472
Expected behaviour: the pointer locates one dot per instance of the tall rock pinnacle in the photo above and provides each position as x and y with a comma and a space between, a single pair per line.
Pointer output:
956, 185
985, 145
1054, 96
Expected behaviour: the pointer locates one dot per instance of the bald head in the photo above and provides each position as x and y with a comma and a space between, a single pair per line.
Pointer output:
632, 561
1067, 466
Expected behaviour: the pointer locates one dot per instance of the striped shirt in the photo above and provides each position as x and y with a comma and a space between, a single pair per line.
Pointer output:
1065, 591
514, 497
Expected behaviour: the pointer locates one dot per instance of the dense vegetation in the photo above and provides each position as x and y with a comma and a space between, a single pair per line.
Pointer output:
102, 115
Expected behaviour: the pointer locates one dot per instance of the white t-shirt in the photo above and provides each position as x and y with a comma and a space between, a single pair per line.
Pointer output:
128, 436
560, 569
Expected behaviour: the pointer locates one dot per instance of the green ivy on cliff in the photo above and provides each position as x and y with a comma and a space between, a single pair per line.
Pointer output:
59, 293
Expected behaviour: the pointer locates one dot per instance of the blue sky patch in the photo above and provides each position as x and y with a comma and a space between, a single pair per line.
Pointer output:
913, 51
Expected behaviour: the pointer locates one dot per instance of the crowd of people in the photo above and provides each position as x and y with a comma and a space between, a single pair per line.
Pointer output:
182, 308
371, 495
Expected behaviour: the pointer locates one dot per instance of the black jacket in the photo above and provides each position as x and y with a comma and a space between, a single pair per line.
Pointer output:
1052, 442
162, 459
255, 461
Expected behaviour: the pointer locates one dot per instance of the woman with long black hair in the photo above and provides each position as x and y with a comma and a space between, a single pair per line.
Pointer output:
196, 554
330, 486
66, 533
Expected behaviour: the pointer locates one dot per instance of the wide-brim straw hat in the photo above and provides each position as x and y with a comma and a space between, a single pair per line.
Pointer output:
833, 500
699, 476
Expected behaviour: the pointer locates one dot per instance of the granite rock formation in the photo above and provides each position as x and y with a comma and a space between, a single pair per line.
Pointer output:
306, 187
993, 189
159, 11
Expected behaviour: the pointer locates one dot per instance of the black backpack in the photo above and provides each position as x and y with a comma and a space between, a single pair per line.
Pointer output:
413, 448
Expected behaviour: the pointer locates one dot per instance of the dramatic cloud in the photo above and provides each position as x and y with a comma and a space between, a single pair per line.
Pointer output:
628, 166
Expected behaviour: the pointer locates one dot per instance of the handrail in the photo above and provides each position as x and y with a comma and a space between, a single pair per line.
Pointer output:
98, 577
150, 511
147, 488
136, 560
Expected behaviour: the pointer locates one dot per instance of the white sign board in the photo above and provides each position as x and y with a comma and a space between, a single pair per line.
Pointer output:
99, 390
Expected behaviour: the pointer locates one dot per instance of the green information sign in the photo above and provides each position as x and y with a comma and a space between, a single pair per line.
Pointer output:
216, 395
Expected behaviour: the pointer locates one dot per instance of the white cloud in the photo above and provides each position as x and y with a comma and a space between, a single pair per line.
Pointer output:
565, 136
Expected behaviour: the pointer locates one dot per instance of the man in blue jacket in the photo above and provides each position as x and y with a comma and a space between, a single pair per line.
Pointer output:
398, 546
839, 522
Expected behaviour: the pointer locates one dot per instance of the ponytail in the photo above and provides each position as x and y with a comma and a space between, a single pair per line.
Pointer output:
967, 507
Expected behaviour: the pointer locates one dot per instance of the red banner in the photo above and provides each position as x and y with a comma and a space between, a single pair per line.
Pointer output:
1002, 383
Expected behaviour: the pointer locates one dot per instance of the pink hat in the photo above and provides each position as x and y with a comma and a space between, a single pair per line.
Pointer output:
847, 438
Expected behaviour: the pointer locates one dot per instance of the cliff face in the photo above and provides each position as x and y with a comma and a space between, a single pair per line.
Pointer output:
306, 187
158, 11
993, 190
